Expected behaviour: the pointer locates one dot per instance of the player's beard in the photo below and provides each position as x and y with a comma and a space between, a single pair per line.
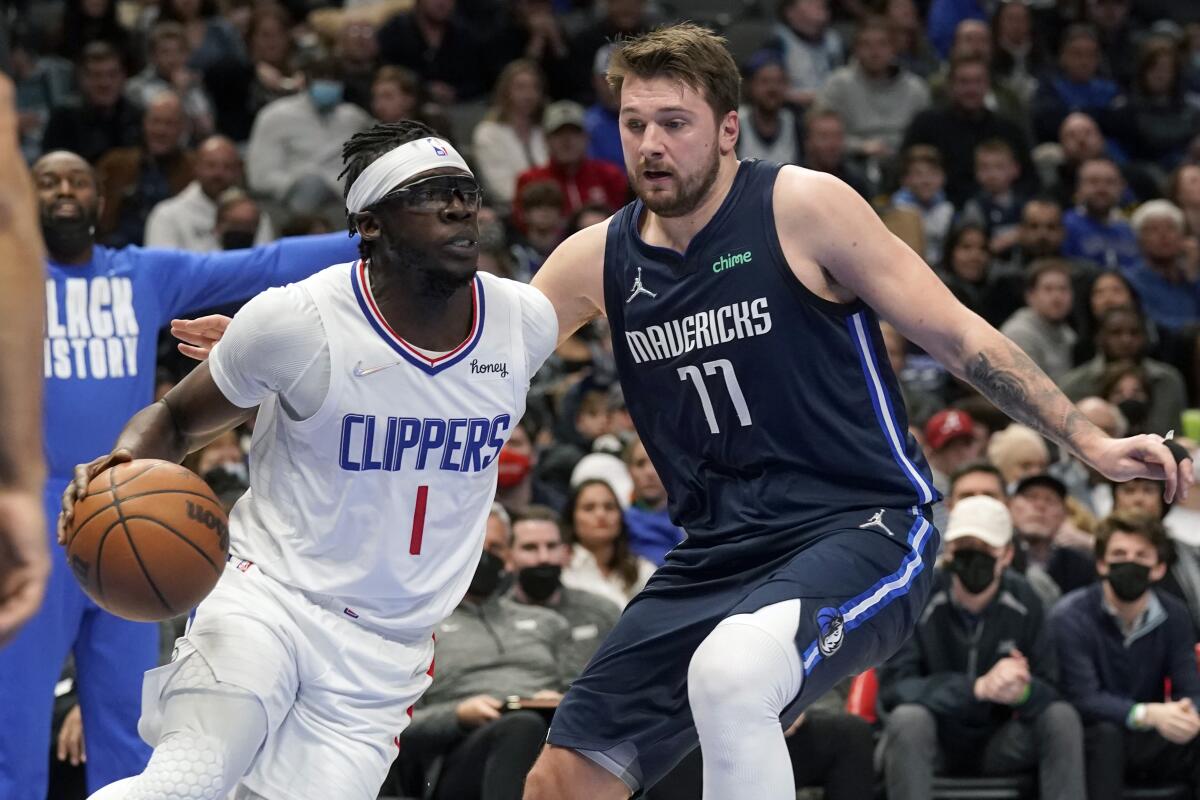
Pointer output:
68, 238
430, 278
690, 194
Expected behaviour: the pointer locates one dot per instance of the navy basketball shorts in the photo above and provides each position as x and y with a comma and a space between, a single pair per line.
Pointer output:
861, 591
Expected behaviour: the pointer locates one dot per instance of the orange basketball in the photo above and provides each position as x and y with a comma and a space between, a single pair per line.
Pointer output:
148, 541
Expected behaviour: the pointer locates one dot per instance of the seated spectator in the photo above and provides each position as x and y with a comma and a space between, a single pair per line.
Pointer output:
651, 532
1122, 338
922, 179
1039, 514
956, 128
87, 21
517, 486
921, 386
357, 51
601, 559
1108, 290
537, 555
1126, 386
1117, 36
946, 18
600, 120
103, 119
1018, 48
42, 82
1040, 234
1018, 452
810, 47
1168, 276
211, 38
510, 139
238, 219
586, 217
1095, 229
997, 205
967, 268
294, 154
913, 51
168, 70
973, 39
973, 691
395, 94
135, 179
430, 41
876, 97
187, 221
769, 129
240, 89
1118, 641
617, 20
1080, 139
583, 181
543, 225
825, 149
950, 442
1040, 328
1183, 189
1075, 86
1160, 124
490, 648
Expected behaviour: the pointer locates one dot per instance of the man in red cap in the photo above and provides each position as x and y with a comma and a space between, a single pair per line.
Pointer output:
950, 443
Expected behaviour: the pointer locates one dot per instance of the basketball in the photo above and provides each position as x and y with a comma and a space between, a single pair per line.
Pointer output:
148, 541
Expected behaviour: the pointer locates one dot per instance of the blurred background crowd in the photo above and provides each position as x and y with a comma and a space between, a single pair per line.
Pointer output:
1042, 155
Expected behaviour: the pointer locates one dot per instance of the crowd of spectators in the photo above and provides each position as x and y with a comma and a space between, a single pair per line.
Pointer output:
1043, 157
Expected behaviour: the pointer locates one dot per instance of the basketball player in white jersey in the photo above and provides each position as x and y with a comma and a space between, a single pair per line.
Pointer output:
385, 390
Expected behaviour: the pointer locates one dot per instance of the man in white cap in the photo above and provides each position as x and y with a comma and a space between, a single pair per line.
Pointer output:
385, 389
973, 690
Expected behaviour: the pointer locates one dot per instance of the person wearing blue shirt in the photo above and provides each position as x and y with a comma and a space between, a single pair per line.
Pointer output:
1095, 229
1165, 279
1118, 642
652, 534
104, 308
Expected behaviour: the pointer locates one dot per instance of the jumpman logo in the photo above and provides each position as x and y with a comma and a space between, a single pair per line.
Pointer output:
639, 288
876, 521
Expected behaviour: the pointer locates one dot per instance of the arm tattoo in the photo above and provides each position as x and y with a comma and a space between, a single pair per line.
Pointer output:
1020, 389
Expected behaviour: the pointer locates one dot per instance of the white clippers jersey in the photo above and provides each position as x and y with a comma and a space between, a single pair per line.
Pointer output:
380, 498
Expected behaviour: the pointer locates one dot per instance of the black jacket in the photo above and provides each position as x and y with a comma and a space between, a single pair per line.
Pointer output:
937, 667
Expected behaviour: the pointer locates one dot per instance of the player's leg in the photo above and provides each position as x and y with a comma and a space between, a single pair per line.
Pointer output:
29, 667
211, 732
562, 774
111, 656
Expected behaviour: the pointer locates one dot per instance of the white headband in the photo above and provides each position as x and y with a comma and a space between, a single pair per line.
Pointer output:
397, 166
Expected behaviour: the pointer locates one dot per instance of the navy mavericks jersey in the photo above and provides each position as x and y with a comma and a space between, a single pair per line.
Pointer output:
766, 410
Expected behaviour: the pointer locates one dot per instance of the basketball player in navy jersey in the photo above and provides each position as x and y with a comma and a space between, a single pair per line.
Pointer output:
744, 300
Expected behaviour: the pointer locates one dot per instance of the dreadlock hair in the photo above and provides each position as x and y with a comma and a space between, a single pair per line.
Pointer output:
365, 146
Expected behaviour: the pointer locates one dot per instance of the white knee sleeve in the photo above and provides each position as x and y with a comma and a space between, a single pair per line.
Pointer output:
211, 733
740, 679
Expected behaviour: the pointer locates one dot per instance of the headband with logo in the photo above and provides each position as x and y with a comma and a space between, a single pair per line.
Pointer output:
393, 168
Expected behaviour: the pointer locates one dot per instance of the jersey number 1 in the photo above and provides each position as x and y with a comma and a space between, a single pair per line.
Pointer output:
414, 544
731, 384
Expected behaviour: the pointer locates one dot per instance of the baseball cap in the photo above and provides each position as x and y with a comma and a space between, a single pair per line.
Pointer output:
563, 112
1042, 479
946, 426
981, 517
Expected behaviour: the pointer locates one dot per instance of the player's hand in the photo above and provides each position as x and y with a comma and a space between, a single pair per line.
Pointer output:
1176, 723
77, 489
70, 739
1143, 456
795, 726
478, 710
24, 558
199, 335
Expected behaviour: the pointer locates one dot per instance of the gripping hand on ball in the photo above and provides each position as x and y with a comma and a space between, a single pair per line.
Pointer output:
77, 488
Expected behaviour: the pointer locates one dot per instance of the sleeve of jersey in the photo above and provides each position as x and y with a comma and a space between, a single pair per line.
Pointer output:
540, 326
268, 347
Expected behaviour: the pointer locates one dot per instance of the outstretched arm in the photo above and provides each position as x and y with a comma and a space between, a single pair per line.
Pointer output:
845, 237
573, 279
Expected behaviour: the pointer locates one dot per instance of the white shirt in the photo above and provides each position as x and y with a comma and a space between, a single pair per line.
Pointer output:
290, 139
373, 467
584, 573
186, 222
501, 157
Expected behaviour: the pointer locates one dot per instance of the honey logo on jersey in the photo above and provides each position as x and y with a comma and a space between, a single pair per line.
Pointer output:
495, 369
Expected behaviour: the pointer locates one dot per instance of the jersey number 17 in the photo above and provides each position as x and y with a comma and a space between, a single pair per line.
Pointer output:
725, 367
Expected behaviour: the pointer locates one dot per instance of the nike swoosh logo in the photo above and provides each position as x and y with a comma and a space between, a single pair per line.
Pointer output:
361, 372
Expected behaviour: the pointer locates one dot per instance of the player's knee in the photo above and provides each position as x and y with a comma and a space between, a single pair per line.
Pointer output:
184, 766
742, 669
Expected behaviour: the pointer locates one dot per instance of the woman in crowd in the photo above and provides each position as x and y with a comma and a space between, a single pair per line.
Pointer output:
240, 89
212, 38
1161, 123
510, 140
601, 560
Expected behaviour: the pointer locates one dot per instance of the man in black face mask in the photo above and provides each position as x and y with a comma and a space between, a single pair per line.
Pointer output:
1118, 642
537, 556
463, 739
973, 691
